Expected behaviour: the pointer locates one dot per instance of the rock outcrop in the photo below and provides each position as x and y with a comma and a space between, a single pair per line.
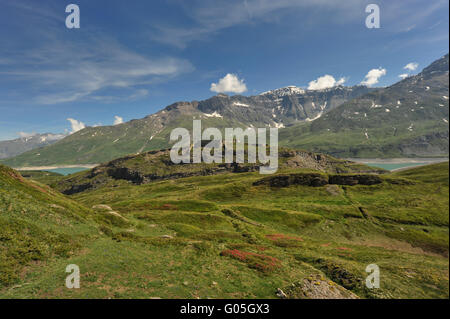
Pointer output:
316, 180
156, 165
315, 287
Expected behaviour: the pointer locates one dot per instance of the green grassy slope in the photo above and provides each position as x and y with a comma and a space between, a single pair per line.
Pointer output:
37, 224
42, 176
157, 165
427, 174
384, 141
100, 144
407, 119
221, 237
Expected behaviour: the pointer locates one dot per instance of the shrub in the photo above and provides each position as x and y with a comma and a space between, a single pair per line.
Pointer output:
282, 240
259, 262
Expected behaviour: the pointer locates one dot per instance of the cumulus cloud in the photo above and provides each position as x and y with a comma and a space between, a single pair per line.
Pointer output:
229, 83
373, 76
341, 81
76, 125
403, 76
325, 82
118, 120
411, 66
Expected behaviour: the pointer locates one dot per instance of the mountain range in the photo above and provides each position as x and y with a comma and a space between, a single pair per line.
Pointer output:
407, 119
277, 108
20, 145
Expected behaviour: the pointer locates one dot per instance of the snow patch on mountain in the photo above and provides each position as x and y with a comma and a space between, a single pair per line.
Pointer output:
278, 125
289, 90
314, 118
214, 114
374, 106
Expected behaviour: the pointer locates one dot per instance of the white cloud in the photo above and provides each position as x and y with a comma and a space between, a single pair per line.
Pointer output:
25, 134
325, 82
76, 125
118, 120
341, 81
411, 66
403, 76
54, 137
229, 83
373, 76
138, 94
99, 69
211, 17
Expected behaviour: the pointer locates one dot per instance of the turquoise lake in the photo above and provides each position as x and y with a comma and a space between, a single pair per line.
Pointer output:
67, 170
387, 166
392, 166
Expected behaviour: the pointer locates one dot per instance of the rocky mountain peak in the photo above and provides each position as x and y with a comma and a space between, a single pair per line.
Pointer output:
288, 90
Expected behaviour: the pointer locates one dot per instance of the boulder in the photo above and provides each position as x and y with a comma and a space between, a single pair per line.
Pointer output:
317, 287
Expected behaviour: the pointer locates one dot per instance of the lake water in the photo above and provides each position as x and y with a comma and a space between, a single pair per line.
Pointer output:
67, 170
392, 166
385, 164
398, 163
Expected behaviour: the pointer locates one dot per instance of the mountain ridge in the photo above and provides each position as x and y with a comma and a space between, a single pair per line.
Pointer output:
406, 119
11, 148
156, 166
101, 144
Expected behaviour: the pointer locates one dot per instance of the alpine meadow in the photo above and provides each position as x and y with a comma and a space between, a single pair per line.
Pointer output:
227, 155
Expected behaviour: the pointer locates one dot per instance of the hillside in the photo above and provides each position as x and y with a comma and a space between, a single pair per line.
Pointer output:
156, 165
41, 176
18, 146
278, 108
407, 119
240, 236
37, 224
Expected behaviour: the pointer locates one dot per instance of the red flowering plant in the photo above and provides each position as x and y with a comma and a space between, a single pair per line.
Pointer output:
263, 263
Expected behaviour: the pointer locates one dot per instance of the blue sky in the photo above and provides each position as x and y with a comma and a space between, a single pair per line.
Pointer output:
132, 58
